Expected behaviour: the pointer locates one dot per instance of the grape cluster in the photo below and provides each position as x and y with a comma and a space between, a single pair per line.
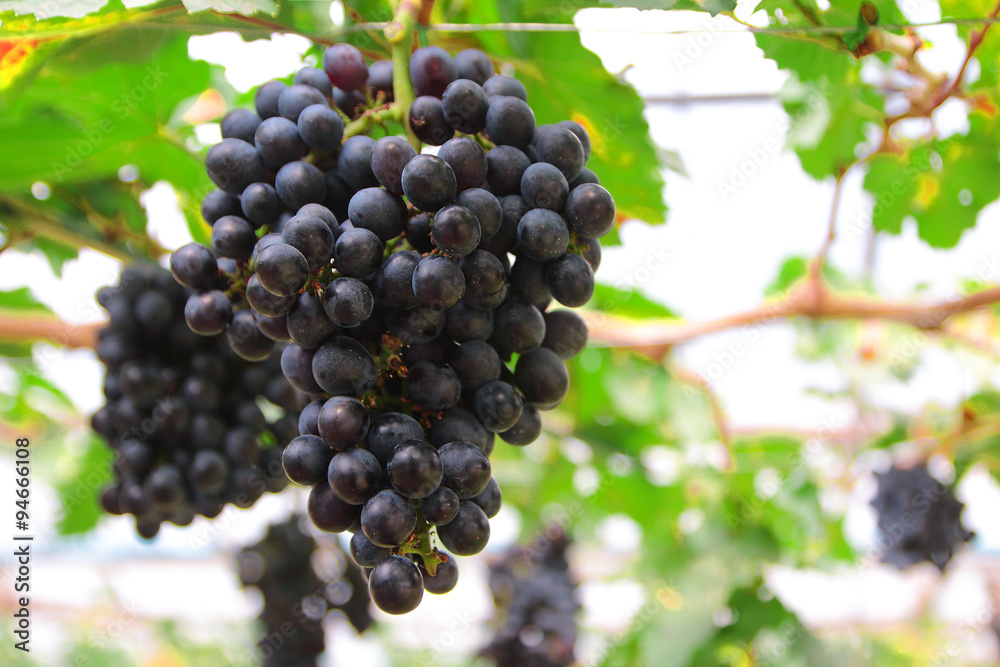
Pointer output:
414, 291
536, 595
181, 412
919, 518
301, 580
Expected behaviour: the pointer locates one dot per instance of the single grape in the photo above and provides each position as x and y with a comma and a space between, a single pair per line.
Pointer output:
193, 265
466, 468
542, 235
527, 428
489, 499
388, 430
590, 210
505, 86
561, 148
378, 211
357, 253
296, 366
354, 162
544, 186
217, 204
571, 280
311, 237
308, 324
281, 269
344, 367
394, 280
464, 105
305, 460
467, 159
565, 333
466, 534
380, 80
389, 156
240, 124
364, 553
510, 122
476, 363
297, 97
415, 469
388, 519
429, 182
345, 66
505, 168
395, 585
474, 65
329, 513
246, 339
458, 424
315, 77
428, 122
433, 387
265, 100
438, 282
207, 314
581, 133
233, 164
542, 377
519, 327
320, 127
343, 422
497, 406
355, 475
485, 207
455, 230
299, 183
278, 142
348, 302
431, 70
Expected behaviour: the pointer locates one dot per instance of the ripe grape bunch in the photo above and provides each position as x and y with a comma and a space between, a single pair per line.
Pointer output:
536, 593
300, 580
180, 411
919, 518
390, 272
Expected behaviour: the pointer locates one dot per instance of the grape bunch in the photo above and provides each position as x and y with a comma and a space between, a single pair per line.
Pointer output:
415, 291
181, 412
536, 595
301, 580
919, 518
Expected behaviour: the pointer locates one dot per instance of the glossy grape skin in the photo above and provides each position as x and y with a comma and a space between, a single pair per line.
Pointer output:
240, 124
485, 207
427, 121
527, 428
497, 406
505, 86
343, 367
468, 533
474, 65
389, 156
388, 519
306, 459
233, 164
560, 147
345, 65
415, 469
466, 469
193, 265
429, 182
467, 160
281, 269
354, 475
431, 70
465, 105
438, 282
208, 313
542, 377
395, 585
455, 230
510, 122
320, 127
378, 211
571, 280
342, 422
278, 142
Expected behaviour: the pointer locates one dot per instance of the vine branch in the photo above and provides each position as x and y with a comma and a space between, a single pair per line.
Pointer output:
18, 326
812, 300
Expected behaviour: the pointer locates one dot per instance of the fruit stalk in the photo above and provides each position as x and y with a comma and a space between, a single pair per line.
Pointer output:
400, 36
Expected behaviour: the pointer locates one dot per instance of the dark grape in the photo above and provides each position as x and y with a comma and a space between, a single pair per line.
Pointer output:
389, 156
505, 168
357, 253
193, 265
260, 204
281, 269
455, 230
217, 204
466, 534
485, 207
320, 127
439, 507
278, 142
315, 77
355, 475
433, 387
542, 235
233, 164
395, 585
394, 280
505, 86
438, 282
544, 186
354, 163
498, 406
415, 469
475, 363
431, 70
299, 183
208, 314
510, 122
467, 160
345, 66
378, 211
306, 459
590, 210
308, 324
542, 377
311, 237
388, 430
388, 519
526, 430
380, 80
565, 333
297, 97
571, 280
240, 124
343, 422
489, 499
466, 468
474, 65
344, 367
428, 122
328, 512
464, 105
560, 147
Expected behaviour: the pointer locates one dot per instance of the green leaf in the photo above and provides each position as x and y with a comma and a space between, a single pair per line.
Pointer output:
47, 9
943, 185
79, 484
245, 7
55, 253
22, 299
627, 302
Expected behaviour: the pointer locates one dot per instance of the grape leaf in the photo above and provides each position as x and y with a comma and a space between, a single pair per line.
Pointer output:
245, 7
22, 299
943, 185
627, 302
47, 9
79, 484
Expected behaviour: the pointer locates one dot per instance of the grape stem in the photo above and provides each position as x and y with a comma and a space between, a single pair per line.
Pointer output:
400, 35
372, 118
420, 543
19, 326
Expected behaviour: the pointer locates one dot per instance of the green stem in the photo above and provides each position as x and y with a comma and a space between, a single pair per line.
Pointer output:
400, 36
422, 546
32, 222
372, 118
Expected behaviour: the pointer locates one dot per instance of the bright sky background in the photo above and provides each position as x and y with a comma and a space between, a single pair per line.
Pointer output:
722, 253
